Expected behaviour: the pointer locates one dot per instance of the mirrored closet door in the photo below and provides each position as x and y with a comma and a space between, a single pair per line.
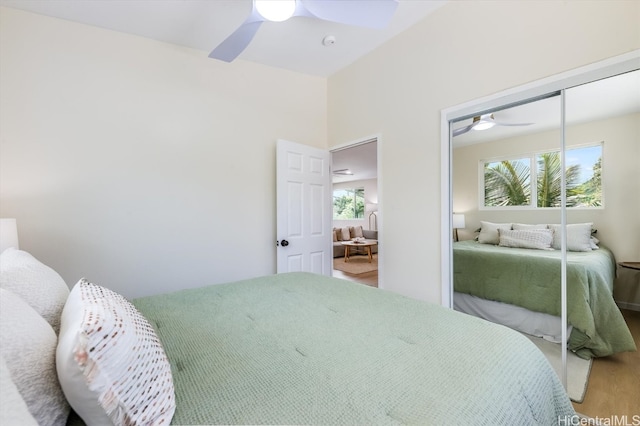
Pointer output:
544, 196
506, 183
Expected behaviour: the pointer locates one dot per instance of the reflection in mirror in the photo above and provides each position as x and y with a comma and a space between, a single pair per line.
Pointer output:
602, 118
507, 182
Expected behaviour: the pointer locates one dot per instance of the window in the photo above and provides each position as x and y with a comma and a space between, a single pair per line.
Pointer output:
348, 203
507, 182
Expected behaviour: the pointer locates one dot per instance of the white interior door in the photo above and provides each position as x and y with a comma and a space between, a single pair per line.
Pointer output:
303, 187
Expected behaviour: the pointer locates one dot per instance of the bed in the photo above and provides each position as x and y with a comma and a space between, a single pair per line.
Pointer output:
530, 279
292, 348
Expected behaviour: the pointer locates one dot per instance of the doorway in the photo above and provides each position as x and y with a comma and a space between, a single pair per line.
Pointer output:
356, 212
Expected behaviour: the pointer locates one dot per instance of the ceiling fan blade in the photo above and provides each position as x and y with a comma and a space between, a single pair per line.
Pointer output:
370, 14
235, 44
462, 130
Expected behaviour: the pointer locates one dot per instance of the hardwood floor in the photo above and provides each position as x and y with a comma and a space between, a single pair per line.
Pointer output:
614, 383
368, 278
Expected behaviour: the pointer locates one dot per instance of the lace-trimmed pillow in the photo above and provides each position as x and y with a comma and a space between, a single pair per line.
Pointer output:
111, 365
540, 239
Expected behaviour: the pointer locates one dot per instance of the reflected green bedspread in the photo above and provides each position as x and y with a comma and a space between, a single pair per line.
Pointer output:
531, 279
306, 349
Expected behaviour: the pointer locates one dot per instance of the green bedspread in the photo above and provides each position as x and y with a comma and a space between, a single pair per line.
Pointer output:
531, 279
306, 349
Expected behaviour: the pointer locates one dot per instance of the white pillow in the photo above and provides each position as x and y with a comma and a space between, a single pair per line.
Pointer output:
519, 226
106, 350
578, 236
489, 232
28, 346
13, 409
346, 234
540, 239
357, 230
39, 285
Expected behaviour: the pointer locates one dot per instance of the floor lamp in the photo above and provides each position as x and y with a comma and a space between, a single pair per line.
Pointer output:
458, 222
373, 208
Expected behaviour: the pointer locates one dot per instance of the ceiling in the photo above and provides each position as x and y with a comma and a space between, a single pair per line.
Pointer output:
361, 160
610, 97
295, 44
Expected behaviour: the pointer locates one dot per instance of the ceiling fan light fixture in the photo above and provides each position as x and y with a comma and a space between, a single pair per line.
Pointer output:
483, 122
275, 10
484, 125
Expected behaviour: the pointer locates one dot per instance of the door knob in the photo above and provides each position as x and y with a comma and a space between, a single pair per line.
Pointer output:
284, 243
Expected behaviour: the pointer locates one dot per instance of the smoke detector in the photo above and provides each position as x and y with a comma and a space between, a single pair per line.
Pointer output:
329, 40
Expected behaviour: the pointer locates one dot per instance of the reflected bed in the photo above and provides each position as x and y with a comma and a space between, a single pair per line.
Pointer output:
530, 279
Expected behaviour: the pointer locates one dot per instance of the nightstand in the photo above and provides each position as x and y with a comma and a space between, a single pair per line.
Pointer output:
630, 265
626, 289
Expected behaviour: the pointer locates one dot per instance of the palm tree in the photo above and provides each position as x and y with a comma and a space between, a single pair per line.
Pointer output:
589, 194
549, 180
507, 184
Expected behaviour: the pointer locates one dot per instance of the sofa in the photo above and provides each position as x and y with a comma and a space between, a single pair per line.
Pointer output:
349, 233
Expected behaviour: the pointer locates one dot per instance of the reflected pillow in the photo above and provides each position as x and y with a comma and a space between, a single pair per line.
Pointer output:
519, 226
578, 236
489, 232
540, 239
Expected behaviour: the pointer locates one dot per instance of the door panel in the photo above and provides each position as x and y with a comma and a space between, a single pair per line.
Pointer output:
304, 209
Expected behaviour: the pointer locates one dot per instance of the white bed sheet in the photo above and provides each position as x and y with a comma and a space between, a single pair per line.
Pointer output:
537, 324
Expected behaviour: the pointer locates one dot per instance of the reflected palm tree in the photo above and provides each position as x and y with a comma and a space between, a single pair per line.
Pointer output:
507, 183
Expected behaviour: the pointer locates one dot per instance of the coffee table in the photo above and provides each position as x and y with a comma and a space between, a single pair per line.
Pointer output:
366, 244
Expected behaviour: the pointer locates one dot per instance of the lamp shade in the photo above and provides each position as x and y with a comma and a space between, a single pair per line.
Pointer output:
458, 221
8, 234
371, 207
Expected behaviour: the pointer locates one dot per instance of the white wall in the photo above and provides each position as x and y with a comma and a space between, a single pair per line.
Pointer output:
618, 218
144, 166
464, 51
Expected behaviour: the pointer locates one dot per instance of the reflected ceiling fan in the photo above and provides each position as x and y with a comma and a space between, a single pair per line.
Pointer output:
370, 14
484, 122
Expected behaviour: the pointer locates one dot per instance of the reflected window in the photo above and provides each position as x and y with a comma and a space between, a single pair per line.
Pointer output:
507, 182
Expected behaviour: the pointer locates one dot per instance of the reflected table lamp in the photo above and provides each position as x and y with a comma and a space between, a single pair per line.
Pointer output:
458, 222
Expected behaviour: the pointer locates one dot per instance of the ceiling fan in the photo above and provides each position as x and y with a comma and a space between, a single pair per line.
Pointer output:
343, 172
484, 122
370, 14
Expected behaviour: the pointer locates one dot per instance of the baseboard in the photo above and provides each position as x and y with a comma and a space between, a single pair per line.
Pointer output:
628, 305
